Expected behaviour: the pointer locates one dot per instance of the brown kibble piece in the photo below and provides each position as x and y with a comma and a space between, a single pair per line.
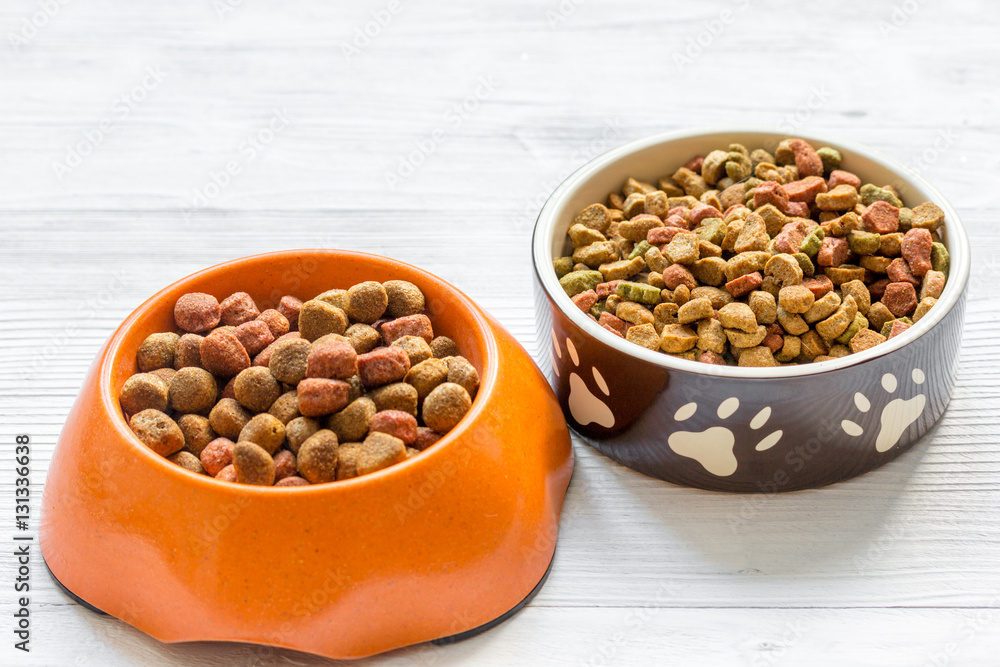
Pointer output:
256, 389
253, 465
317, 457
188, 461
738, 316
865, 339
416, 348
442, 346
197, 432
157, 431
143, 391
363, 337
796, 299
425, 376
196, 312
286, 407
335, 297
676, 338
299, 430
395, 396
353, 422
367, 302
265, 430
165, 374
319, 318
192, 390
188, 351
644, 335
156, 352
403, 298
757, 357
378, 451
445, 406
463, 373
288, 361
927, 216
932, 285
228, 418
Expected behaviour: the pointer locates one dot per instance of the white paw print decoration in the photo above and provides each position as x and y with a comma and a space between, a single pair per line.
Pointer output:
713, 447
584, 405
896, 416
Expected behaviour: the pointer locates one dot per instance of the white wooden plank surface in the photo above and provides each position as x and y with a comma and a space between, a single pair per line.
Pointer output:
899, 567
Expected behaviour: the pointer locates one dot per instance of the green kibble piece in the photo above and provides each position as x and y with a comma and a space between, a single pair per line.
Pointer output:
597, 309
640, 249
864, 243
712, 230
872, 193
831, 158
575, 282
940, 261
751, 183
812, 242
905, 219
860, 322
562, 265
638, 293
906, 319
805, 263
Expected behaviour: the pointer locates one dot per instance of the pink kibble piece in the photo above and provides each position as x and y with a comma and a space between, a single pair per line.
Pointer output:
396, 423
383, 365
254, 335
410, 325
336, 360
322, 396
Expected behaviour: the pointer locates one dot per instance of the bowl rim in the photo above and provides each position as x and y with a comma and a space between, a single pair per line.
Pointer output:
488, 382
958, 249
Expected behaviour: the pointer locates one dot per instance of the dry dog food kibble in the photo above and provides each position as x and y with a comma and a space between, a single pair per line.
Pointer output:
309, 392
748, 258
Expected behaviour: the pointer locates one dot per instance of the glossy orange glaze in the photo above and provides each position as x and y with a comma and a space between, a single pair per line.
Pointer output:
431, 547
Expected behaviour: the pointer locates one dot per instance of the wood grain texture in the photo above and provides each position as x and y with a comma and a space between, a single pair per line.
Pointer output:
898, 567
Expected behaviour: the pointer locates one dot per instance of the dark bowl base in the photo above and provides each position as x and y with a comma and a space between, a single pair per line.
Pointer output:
442, 641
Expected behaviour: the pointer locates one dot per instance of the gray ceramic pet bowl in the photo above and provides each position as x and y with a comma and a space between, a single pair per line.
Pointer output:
744, 429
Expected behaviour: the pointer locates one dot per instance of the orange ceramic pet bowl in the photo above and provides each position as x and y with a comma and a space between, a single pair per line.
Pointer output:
435, 548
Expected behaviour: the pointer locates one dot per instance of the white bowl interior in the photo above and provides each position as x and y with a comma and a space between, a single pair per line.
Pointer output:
651, 158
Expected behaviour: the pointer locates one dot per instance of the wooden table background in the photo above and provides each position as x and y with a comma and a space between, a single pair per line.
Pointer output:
117, 117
